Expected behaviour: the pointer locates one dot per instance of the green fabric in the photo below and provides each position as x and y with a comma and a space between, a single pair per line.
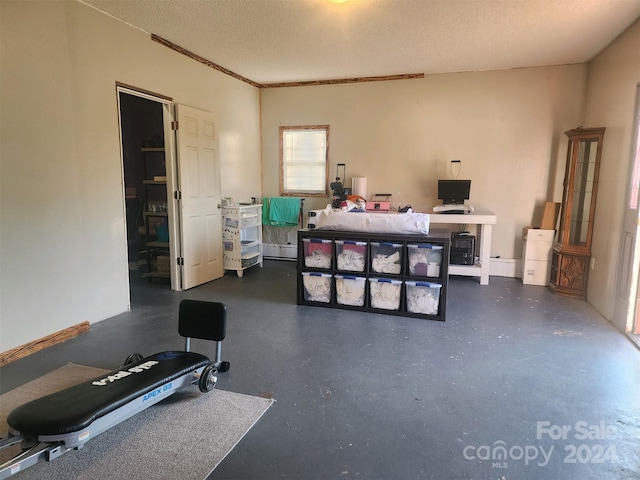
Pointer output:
265, 211
280, 211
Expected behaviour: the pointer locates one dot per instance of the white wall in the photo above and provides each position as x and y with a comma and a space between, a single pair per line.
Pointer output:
613, 79
63, 257
506, 127
62, 231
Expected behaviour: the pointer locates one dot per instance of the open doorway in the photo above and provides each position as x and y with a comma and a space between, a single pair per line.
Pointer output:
171, 175
626, 315
145, 179
634, 206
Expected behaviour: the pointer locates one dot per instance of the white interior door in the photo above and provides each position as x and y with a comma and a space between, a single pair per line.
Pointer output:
629, 263
199, 187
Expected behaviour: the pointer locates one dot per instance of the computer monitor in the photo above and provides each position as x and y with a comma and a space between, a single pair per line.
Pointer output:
453, 192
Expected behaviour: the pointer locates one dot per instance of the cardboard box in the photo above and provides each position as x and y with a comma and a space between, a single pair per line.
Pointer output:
536, 272
537, 250
162, 264
550, 216
535, 235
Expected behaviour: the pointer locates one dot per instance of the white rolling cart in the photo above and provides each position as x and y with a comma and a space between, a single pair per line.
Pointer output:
242, 237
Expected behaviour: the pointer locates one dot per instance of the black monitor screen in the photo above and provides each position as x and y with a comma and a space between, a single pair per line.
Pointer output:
453, 191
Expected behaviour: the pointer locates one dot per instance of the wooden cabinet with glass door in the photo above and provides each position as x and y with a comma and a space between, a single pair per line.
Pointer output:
571, 255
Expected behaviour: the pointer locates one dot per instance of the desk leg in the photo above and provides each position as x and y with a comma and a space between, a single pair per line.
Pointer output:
485, 253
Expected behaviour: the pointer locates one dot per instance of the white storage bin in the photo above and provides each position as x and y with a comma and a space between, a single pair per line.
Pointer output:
537, 251
351, 255
425, 259
249, 219
350, 290
423, 297
318, 253
317, 287
386, 257
385, 293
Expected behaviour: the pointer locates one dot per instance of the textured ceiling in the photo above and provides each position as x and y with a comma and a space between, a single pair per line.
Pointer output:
269, 41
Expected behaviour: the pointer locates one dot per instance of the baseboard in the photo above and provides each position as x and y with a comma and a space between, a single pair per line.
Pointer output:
42, 343
279, 251
506, 267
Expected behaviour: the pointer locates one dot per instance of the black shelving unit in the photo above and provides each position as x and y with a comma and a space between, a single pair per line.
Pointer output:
375, 272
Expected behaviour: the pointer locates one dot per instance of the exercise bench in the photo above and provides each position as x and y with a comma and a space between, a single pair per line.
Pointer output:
52, 425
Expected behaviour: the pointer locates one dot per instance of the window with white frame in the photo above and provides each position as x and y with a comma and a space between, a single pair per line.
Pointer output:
304, 160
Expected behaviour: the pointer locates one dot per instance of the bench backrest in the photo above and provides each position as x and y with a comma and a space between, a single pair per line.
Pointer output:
202, 319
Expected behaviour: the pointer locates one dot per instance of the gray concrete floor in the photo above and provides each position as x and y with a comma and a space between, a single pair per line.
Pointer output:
517, 384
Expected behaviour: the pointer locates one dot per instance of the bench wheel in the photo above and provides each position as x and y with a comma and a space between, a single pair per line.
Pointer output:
224, 366
133, 358
208, 378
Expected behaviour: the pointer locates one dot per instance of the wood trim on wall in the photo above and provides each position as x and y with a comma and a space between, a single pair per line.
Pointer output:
344, 80
226, 71
200, 59
42, 343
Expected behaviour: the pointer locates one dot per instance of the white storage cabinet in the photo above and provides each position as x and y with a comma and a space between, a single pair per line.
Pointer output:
242, 237
537, 249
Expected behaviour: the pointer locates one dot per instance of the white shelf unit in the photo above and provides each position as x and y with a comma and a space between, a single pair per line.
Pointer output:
242, 237
485, 222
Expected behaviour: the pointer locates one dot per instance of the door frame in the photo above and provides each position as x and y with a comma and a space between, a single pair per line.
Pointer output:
627, 293
172, 174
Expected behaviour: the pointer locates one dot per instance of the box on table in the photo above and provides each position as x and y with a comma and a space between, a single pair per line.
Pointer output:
425, 259
318, 252
317, 287
162, 263
351, 255
422, 297
378, 206
385, 293
350, 290
386, 257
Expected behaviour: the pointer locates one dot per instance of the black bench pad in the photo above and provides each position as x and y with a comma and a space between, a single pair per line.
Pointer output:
77, 407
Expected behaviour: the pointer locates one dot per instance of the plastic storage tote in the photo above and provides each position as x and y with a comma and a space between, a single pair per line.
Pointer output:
351, 255
317, 287
422, 297
385, 293
386, 257
425, 259
318, 253
350, 290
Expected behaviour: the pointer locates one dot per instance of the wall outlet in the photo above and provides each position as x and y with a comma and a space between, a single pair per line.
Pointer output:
593, 263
